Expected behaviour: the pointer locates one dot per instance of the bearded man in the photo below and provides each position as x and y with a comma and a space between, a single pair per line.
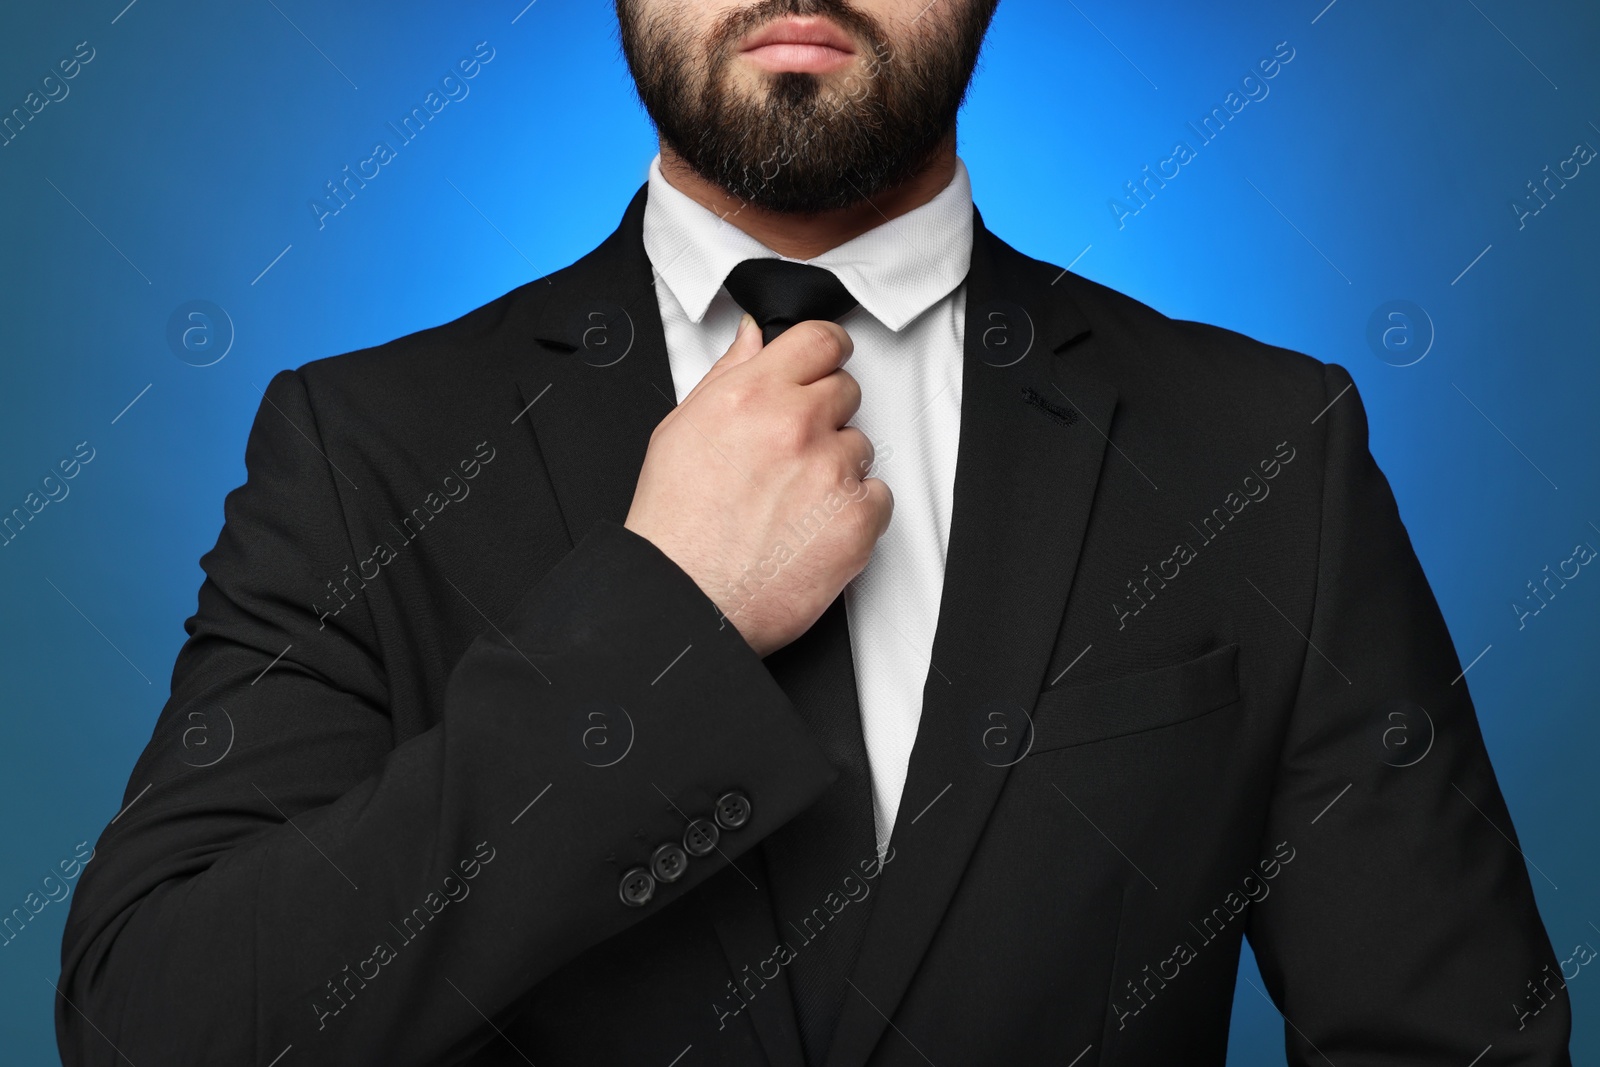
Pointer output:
668, 746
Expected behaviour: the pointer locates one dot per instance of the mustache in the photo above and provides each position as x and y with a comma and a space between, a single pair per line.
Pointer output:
731, 28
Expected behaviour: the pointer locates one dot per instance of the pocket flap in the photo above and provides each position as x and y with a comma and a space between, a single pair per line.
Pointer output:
1079, 715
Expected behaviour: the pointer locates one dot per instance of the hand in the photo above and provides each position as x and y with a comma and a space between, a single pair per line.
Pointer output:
755, 486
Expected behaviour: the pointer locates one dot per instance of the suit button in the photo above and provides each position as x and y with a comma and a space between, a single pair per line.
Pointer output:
637, 887
701, 837
668, 862
733, 811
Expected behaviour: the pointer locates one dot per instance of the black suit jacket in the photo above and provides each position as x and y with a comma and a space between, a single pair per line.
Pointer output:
1189, 683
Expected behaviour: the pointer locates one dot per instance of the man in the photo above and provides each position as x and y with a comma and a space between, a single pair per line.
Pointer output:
565, 693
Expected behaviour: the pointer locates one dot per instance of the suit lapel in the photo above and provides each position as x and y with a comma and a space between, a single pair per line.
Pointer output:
593, 407
1027, 465
592, 399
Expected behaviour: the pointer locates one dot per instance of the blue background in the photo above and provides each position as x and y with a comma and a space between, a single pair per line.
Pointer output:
1382, 166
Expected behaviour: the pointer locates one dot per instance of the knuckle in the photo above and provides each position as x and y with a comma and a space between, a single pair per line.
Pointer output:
738, 398
789, 431
860, 522
822, 474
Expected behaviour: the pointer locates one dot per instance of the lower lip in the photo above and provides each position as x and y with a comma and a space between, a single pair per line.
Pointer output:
810, 58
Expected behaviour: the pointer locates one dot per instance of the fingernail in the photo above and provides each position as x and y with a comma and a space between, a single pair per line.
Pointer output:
746, 322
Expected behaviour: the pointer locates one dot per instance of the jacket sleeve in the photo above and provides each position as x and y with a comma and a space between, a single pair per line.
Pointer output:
282, 874
1406, 931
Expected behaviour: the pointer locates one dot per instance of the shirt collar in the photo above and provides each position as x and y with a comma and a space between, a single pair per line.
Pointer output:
896, 270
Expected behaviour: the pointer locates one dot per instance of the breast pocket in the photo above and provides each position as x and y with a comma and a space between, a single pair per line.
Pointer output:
1084, 714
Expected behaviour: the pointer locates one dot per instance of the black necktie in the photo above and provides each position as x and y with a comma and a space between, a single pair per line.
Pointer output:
834, 837
779, 294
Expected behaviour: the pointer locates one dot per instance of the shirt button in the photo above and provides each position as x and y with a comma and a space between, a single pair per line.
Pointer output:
637, 887
668, 862
733, 811
701, 837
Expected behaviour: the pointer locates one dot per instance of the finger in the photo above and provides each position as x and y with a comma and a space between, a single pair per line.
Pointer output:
746, 343
808, 351
879, 502
859, 451
839, 396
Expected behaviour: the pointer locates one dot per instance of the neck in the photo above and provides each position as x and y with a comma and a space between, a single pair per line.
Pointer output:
808, 236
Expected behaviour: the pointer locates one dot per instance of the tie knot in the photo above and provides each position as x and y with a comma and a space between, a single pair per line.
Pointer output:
778, 294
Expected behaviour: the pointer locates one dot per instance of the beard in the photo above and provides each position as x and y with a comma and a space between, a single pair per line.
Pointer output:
800, 144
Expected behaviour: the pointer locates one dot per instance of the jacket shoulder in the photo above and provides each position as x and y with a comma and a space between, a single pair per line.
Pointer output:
476, 342
1113, 307
1150, 354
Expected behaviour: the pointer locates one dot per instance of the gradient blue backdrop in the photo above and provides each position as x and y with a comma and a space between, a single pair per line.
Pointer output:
1381, 166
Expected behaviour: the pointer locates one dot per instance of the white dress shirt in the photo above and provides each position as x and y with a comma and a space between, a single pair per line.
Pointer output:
909, 276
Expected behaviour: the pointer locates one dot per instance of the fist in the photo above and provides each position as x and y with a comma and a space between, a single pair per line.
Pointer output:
755, 486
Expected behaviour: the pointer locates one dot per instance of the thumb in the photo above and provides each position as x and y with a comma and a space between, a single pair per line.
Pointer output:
746, 343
